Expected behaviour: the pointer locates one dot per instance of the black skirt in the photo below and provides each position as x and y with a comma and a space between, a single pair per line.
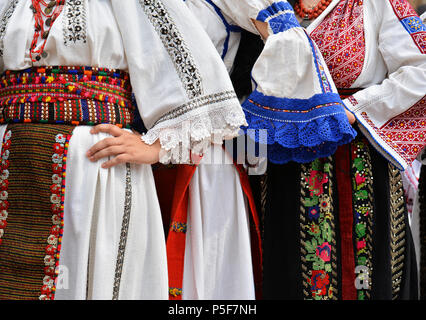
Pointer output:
336, 228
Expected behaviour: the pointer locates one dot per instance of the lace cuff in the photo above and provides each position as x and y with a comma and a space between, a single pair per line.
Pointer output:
191, 128
298, 130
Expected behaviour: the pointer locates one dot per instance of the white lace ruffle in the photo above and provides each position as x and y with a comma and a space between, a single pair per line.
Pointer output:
194, 131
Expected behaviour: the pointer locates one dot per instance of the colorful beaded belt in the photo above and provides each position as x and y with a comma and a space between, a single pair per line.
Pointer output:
66, 95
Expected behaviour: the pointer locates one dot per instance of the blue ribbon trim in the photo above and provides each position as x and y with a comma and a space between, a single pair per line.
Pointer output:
293, 110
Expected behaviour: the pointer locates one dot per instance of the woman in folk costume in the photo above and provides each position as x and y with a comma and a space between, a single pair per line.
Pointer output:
80, 217
348, 236
212, 260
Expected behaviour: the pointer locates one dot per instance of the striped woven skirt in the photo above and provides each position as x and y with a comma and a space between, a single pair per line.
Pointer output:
68, 228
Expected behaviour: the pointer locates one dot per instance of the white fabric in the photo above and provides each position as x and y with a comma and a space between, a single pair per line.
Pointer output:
218, 262
210, 244
410, 180
122, 35
286, 55
93, 214
214, 26
394, 71
217, 252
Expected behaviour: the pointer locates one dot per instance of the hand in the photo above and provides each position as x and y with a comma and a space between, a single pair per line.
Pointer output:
262, 27
350, 116
125, 146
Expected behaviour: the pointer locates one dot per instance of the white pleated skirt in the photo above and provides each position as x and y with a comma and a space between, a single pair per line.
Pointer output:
113, 244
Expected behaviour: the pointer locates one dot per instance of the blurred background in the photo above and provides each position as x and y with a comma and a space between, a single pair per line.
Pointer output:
419, 5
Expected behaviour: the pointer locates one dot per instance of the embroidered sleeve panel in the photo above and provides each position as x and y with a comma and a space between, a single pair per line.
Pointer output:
75, 22
4, 20
183, 90
343, 48
411, 22
175, 45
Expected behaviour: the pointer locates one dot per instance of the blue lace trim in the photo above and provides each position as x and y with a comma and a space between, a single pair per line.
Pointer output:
279, 22
297, 129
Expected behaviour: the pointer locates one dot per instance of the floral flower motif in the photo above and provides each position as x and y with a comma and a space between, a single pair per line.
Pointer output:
4, 205
49, 271
314, 229
47, 280
4, 162
52, 240
60, 138
56, 219
324, 252
5, 174
324, 203
361, 244
49, 260
58, 148
314, 213
57, 158
319, 281
359, 179
56, 208
8, 135
4, 184
57, 168
55, 188
55, 230
56, 179
3, 214
6, 144
316, 180
3, 195
54, 198
46, 290
51, 250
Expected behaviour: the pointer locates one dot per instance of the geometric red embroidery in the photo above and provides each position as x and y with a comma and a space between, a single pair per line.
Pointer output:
340, 38
411, 22
405, 133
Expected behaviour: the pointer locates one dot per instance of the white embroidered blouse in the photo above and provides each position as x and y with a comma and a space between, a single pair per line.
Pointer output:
381, 53
182, 89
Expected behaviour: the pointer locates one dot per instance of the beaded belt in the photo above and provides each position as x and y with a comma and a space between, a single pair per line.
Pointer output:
66, 95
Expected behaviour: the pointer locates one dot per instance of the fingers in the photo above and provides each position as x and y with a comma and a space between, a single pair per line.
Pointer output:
350, 116
122, 158
107, 152
102, 145
107, 128
262, 27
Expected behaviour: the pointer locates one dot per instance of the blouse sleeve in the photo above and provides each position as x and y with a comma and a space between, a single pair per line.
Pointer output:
181, 86
294, 106
393, 114
6, 10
